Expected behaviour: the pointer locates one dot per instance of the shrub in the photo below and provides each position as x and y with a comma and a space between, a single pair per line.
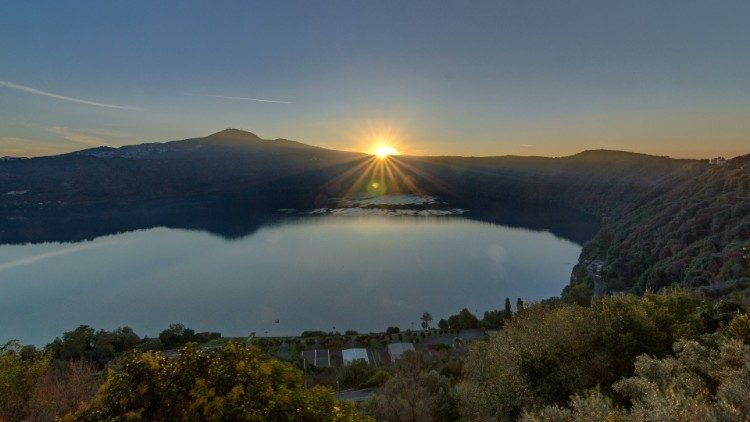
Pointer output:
549, 353
61, 390
232, 383
356, 374
698, 384
18, 374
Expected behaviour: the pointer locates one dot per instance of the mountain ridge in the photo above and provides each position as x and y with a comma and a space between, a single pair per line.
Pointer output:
642, 201
240, 137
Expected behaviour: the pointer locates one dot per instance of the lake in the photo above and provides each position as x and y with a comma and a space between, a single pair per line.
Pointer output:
313, 273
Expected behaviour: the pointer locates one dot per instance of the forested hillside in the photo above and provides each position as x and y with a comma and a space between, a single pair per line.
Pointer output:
696, 234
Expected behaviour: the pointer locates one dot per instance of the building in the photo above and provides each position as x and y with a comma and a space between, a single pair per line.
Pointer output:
395, 350
350, 355
318, 357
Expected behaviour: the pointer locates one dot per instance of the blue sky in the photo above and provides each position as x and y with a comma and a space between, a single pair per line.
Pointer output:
471, 78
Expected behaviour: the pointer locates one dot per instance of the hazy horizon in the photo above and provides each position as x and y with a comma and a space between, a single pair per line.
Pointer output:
430, 78
369, 152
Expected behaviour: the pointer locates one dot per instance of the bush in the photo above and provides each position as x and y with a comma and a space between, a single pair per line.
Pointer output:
414, 392
464, 320
698, 384
232, 383
493, 320
205, 337
356, 374
175, 336
549, 353
18, 374
377, 379
60, 390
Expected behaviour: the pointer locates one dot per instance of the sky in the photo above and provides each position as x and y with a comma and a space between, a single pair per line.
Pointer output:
498, 77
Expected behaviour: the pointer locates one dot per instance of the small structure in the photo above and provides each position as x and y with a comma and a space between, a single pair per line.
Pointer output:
318, 357
395, 350
350, 355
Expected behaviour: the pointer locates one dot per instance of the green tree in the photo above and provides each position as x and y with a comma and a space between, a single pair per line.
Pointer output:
700, 383
235, 382
443, 324
519, 305
74, 345
356, 374
175, 336
546, 354
426, 319
18, 374
508, 310
416, 392
109, 343
464, 320
493, 320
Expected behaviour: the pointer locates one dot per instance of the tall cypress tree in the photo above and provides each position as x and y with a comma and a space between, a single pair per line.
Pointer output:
508, 311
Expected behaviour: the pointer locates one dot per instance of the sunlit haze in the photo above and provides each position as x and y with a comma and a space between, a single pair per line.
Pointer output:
385, 151
451, 78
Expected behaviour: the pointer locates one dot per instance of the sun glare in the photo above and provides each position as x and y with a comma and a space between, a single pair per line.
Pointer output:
384, 151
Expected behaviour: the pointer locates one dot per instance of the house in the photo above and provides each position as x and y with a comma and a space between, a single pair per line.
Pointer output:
395, 350
350, 355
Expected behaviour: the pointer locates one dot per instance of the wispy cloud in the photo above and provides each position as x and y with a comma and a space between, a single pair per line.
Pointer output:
78, 137
35, 91
227, 97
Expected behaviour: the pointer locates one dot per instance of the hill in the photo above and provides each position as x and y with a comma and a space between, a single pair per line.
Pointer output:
655, 221
230, 162
695, 234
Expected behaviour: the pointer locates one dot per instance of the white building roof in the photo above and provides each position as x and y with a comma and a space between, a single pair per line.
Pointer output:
398, 349
350, 355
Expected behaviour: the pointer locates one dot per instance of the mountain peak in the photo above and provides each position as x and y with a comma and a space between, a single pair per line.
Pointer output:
235, 134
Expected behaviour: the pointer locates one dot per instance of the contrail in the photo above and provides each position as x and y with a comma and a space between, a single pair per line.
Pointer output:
226, 97
35, 258
63, 97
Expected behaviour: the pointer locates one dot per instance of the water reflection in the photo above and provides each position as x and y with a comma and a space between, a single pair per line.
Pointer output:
309, 273
233, 220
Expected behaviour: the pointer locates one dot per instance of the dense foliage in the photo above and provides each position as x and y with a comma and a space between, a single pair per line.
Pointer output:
19, 371
696, 234
232, 383
96, 346
700, 383
421, 388
548, 353
673, 355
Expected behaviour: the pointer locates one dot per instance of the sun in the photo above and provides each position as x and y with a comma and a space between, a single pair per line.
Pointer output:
385, 151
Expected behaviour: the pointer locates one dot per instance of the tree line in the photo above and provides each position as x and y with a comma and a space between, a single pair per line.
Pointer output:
666, 356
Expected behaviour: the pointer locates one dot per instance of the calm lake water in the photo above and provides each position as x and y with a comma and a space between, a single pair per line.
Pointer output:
360, 273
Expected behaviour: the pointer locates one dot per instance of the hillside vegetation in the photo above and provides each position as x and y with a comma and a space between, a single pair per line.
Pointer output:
696, 234
670, 356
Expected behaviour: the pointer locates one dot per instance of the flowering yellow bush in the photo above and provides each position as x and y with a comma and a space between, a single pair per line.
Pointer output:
234, 383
